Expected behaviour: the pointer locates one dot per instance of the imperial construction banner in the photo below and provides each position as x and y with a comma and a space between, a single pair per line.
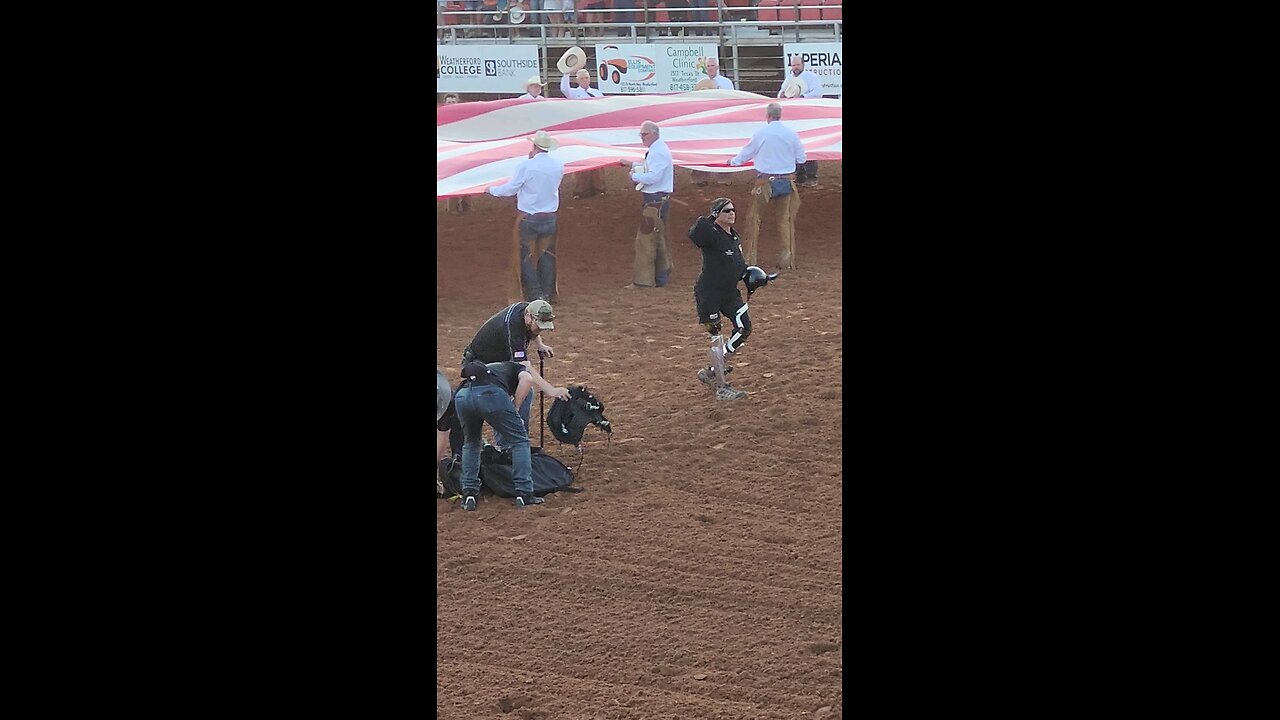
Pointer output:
822, 58
485, 68
637, 69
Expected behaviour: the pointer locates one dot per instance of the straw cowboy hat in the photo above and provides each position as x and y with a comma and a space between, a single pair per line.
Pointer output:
516, 14
544, 141
705, 83
533, 80
572, 61
795, 87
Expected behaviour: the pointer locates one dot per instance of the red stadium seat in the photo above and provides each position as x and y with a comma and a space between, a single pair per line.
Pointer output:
787, 11
832, 9
453, 19
663, 16
767, 11
811, 13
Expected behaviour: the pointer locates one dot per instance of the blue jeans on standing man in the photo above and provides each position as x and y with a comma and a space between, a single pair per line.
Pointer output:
538, 256
491, 404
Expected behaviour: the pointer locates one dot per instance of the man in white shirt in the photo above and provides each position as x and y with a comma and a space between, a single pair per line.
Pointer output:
536, 185
532, 89
589, 182
713, 72
583, 90
777, 151
807, 175
702, 177
655, 179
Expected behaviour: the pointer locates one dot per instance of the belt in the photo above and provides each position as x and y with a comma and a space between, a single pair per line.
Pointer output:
537, 215
775, 176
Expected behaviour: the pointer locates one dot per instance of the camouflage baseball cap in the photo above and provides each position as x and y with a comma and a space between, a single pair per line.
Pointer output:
541, 312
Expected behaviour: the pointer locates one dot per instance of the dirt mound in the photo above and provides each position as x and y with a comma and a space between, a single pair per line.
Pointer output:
699, 574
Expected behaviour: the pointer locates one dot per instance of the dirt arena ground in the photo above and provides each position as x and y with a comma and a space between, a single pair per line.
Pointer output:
699, 575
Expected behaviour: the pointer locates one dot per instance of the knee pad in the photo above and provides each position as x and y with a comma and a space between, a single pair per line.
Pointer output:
740, 334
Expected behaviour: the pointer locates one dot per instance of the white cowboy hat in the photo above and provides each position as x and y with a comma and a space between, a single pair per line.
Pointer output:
705, 83
572, 61
533, 80
644, 168
516, 14
794, 87
544, 141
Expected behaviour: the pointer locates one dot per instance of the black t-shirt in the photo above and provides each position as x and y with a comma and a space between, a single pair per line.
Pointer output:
502, 337
722, 261
508, 374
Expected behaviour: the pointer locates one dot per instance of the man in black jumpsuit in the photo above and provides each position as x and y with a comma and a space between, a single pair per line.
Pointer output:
716, 291
511, 334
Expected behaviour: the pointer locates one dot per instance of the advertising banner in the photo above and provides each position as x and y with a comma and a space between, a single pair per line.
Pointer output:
636, 69
485, 68
822, 58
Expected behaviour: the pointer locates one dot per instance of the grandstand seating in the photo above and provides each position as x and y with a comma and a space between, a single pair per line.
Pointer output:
832, 9
787, 11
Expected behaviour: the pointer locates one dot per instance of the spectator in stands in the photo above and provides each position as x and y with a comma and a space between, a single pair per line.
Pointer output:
703, 16
624, 17
451, 98
777, 151
806, 175
555, 18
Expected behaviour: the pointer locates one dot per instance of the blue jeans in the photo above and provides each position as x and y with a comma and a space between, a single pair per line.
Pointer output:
492, 404
538, 238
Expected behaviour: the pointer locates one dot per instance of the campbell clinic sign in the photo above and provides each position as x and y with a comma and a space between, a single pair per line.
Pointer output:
635, 69
485, 68
822, 58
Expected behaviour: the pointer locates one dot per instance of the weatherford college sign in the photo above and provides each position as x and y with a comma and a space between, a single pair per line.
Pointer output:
636, 69
485, 68
823, 59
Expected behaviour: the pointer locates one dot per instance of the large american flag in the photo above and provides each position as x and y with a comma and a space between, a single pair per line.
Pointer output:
480, 143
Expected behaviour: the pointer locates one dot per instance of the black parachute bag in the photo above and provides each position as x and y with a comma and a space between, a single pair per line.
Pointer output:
569, 419
549, 474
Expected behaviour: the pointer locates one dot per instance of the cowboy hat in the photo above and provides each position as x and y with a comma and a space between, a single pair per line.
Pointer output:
572, 61
533, 80
642, 168
794, 87
516, 14
544, 141
705, 84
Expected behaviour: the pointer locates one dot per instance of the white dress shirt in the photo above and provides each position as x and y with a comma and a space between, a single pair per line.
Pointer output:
661, 176
811, 81
776, 149
576, 93
527, 96
722, 82
535, 183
